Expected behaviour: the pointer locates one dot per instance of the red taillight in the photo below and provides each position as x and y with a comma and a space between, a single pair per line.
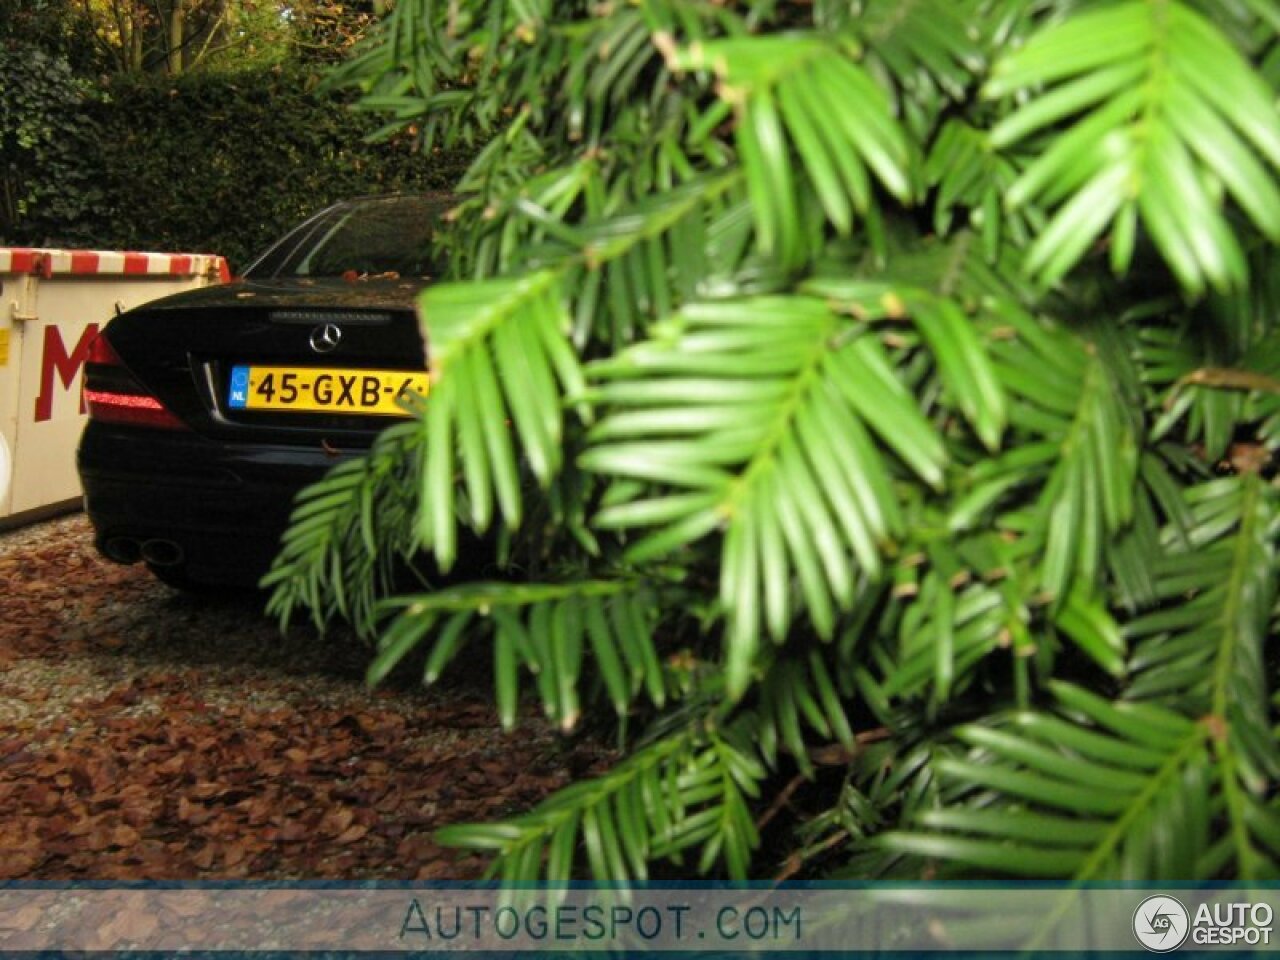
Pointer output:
101, 351
140, 411
112, 395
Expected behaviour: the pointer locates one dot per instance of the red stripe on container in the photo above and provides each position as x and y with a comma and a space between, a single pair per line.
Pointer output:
180, 264
135, 263
24, 261
84, 261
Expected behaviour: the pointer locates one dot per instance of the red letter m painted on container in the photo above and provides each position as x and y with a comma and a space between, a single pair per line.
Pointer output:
55, 359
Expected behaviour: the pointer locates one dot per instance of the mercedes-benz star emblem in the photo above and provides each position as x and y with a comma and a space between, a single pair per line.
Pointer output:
326, 337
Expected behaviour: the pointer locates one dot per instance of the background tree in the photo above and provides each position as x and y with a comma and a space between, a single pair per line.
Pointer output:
172, 37
878, 394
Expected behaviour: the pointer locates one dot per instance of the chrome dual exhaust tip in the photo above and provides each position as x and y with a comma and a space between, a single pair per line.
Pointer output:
161, 553
123, 549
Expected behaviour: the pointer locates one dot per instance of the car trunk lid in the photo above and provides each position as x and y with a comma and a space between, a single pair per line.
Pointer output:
191, 350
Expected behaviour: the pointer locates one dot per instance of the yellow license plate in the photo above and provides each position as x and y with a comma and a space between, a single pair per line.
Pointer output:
320, 390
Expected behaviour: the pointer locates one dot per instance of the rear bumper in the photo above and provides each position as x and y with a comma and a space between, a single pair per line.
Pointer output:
224, 505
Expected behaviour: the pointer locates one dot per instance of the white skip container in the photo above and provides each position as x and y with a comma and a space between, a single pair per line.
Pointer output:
52, 304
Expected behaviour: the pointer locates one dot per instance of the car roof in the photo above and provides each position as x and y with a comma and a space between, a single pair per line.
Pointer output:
380, 197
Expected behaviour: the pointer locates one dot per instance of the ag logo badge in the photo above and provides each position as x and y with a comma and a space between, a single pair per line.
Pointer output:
1161, 923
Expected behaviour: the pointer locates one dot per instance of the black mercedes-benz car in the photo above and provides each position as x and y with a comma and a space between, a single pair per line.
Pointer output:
210, 409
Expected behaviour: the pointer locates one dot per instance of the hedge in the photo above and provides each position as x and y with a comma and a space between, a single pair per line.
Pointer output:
209, 162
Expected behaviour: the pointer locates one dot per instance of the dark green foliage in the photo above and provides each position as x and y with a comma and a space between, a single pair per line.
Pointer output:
44, 178
55, 27
219, 162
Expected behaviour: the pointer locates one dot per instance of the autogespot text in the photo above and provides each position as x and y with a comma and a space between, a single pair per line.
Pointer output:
598, 923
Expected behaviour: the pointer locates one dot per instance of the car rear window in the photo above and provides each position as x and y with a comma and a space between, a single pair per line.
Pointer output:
383, 236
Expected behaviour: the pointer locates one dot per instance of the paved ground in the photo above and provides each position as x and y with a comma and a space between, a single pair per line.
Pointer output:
147, 735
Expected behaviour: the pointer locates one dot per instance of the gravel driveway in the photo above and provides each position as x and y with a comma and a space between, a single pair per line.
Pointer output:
148, 735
